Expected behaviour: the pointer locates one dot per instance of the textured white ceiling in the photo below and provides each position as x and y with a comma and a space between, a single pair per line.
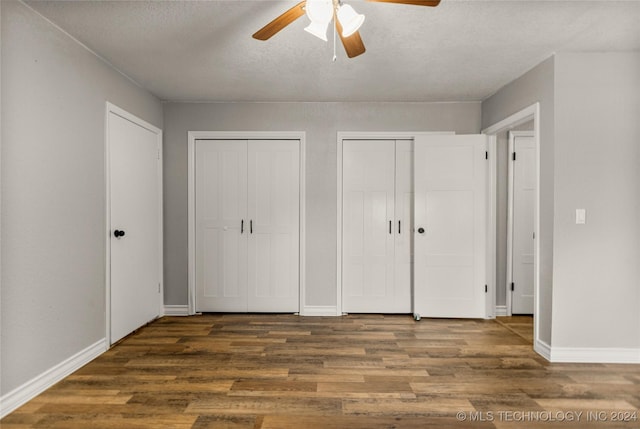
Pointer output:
458, 51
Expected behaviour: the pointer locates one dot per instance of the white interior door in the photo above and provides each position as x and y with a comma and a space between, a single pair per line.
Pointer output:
135, 255
403, 229
222, 228
368, 274
523, 164
450, 237
274, 225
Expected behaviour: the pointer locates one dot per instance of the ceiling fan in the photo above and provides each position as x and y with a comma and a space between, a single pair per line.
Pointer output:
321, 12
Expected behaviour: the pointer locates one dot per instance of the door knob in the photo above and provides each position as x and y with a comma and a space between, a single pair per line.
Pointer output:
117, 233
420, 230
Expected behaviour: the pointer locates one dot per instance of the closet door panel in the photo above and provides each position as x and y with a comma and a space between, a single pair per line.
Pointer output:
273, 212
221, 208
368, 225
403, 227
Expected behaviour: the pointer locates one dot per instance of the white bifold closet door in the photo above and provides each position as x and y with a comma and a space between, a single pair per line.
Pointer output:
274, 225
377, 200
450, 176
247, 225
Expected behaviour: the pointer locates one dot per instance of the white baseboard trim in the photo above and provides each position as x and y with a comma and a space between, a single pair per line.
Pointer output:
176, 310
319, 310
32, 388
594, 355
543, 349
501, 310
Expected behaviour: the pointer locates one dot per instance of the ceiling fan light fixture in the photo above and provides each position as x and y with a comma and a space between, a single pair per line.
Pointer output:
350, 20
320, 12
318, 29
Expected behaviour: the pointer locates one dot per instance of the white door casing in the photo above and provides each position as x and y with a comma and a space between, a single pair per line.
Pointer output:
134, 187
521, 225
450, 232
540, 327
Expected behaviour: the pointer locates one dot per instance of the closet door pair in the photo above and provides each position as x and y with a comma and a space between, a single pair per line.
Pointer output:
377, 226
414, 226
247, 225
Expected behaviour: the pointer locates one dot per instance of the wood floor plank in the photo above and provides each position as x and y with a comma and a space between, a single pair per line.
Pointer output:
366, 422
245, 371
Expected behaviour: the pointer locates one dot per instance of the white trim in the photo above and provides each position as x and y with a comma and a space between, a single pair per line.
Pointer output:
385, 135
510, 177
111, 108
319, 310
32, 388
490, 228
360, 135
191, 210
594, 355
176, 310
302, 182
339, 165
509, 273
543, 349
501, 311
519, 118
192, 136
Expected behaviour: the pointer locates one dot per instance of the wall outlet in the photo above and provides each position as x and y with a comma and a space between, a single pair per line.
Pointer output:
581, 216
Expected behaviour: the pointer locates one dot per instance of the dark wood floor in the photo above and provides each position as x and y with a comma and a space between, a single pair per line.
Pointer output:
369, 371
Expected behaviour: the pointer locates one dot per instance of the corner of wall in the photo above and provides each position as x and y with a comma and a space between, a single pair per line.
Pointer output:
32, 388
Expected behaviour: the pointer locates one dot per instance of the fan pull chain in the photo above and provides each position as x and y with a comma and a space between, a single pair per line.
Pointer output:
334, 41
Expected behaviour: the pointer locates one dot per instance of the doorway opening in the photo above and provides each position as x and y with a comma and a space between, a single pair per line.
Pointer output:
502, 219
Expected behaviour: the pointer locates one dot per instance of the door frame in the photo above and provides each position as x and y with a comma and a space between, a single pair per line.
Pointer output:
113, 109
527, 114
510, 219
358, 135
192, 136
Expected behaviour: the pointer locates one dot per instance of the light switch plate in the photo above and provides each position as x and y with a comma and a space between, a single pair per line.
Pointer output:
581, 216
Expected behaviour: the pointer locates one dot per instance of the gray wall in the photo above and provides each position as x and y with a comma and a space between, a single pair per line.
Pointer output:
321, 121
537, 85
53, 192
596, 276
590, 153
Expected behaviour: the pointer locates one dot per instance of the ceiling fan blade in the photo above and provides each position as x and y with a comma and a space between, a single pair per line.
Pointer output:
353, 44
280, 22
432, 3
